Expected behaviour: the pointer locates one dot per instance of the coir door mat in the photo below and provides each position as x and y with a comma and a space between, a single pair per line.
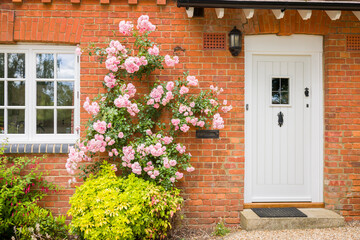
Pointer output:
278, 212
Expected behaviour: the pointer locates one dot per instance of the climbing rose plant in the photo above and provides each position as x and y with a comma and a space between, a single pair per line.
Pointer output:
128, 127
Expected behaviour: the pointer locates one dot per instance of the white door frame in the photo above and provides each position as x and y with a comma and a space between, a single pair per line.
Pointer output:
294, 45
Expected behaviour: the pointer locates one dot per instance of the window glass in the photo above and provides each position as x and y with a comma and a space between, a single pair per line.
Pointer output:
45, 65
45, 94
44, 121
2, 85
2, 65
280, 91
16, 65
16, 121
2, 131
65, 93
16, 93
65, 121
65, 66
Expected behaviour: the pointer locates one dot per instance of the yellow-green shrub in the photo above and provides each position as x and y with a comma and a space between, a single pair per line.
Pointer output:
110, 207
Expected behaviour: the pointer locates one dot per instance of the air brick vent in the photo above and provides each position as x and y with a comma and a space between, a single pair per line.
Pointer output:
214, 41
353, 43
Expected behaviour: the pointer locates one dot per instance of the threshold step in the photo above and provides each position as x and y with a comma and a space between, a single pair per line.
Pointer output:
316, 218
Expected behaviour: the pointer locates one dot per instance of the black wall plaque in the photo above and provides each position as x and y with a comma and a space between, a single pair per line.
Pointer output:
207, 133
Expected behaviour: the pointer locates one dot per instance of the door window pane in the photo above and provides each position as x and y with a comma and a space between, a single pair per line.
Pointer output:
16, 93
45, 94
2, 65
2, 131
16, 121
44, 121
16, 65
2, 93
66, 66
65, 121
65, 93
45, 65
280, 91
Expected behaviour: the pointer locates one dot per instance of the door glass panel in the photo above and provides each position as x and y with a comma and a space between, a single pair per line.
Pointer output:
65, 66
16, 65
65, 93
44, 121
45, 94
16, 93
2, 121
45, 65
65, 121
1, 93
16, 121
280, 91
2, 65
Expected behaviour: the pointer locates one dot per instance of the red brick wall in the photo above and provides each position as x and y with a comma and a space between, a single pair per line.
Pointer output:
217, 186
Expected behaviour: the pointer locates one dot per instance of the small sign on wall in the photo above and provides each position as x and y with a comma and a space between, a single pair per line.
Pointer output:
207, 133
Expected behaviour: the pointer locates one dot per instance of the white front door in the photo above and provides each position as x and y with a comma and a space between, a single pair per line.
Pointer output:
281, 105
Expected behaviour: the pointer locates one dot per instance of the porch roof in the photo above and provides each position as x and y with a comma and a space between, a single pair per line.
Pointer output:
277, 4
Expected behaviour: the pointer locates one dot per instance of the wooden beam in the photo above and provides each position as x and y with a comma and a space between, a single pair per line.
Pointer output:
190, 12
279, 14
305, 14
285, 204
249, 13
357, 14
334, 15
219, 12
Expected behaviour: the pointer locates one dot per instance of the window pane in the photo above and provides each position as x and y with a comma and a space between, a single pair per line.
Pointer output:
2, 93
65, 121
45, 93
16, 65
2, 64
284, 98
1, 121
275, 84
45, 65
44, 121
275, 98
285, 84
66, 66
16, 93
16, 121
65, 93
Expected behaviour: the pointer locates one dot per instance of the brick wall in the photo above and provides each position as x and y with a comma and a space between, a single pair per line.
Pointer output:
216, 188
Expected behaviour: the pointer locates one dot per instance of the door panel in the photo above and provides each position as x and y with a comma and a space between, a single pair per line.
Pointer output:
280, 154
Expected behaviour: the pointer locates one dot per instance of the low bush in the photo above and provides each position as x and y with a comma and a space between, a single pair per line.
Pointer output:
21, 186
111, 207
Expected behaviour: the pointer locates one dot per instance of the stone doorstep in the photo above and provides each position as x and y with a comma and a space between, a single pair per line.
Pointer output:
317, 218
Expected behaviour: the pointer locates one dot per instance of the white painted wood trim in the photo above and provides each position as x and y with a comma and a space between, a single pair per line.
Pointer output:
190, 12
357, 14
249, 13
279, 14
30, 135
334, 15
284, 45
305, 14
219, 12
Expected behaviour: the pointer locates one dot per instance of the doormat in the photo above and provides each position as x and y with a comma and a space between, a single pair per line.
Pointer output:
278, 212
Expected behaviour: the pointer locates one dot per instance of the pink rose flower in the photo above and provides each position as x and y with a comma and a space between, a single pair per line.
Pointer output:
121, 135
154, 50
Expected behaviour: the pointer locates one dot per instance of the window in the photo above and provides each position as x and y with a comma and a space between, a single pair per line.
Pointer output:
39, 94
280, 91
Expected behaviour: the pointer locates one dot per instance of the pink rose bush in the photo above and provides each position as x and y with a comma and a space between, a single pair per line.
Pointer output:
126, 127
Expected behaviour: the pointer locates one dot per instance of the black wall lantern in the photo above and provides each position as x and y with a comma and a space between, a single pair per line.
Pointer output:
235, 41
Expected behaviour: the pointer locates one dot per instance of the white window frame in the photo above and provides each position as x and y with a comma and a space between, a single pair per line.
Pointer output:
30, 135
